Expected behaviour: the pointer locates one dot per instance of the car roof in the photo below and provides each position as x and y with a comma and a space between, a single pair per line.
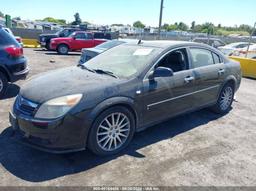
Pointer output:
169, 43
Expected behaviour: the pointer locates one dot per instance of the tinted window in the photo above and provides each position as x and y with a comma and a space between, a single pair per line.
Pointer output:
176, 60
7, 39
201, 57
216, 58
242, 45
89, 36
81, 36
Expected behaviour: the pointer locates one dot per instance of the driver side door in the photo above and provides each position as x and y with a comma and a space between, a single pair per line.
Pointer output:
165, 97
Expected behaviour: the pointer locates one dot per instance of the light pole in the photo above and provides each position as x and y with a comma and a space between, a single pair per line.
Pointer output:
160, 18
250, 40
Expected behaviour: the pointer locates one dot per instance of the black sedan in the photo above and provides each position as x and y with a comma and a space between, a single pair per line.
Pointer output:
101, 104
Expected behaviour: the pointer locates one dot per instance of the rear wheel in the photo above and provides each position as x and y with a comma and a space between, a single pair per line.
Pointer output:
112, 131
225, 99
3, 84
63, 49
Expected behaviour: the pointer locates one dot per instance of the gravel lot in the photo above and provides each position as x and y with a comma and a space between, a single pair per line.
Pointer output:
199, 149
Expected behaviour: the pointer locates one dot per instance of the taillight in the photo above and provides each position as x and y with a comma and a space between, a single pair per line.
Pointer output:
14, 51
18, 39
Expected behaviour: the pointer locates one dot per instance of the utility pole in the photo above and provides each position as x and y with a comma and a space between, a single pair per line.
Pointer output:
160, 18
250, 40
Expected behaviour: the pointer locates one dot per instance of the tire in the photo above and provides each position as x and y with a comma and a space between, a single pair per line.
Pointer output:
63, 49
103, 140
225, 99
3, 84
47, 46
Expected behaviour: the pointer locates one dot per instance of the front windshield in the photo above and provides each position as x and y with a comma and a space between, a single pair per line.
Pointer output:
124, 60
110, 44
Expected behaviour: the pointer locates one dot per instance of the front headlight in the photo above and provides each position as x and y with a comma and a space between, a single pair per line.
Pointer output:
57, 107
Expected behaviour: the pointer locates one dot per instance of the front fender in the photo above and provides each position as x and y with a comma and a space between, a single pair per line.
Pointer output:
110, 103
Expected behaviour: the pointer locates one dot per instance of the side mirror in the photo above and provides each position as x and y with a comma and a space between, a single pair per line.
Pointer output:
74, 37
160, 72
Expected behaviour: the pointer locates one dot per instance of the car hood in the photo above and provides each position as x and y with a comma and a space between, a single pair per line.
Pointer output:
62, 82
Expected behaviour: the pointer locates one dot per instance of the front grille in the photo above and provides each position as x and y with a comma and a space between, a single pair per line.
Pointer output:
26, 106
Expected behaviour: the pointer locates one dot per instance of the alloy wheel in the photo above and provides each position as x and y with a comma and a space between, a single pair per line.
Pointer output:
113, 131
63, 50
226, 98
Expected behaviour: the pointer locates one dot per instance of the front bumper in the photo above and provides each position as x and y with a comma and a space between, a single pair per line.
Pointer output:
42, 44
63, 135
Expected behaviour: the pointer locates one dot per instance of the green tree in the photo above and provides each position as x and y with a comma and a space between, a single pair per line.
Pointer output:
53, 20
172, 27
165, 26
78, 20
193, 24
182, 26
138, 24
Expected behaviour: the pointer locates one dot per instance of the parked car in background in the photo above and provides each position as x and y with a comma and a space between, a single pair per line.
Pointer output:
45, 39
13, 65
75, 42
19, 39
251, 53
214, 42
101, 104
89, 53
230, 48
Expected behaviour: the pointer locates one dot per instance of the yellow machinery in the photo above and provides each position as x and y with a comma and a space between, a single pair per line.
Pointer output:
30, 43
248, 66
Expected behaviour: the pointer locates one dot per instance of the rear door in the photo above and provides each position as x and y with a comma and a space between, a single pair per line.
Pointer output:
83, 40
209, 71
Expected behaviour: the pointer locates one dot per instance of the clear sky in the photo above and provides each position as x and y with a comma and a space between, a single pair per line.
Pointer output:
225, 12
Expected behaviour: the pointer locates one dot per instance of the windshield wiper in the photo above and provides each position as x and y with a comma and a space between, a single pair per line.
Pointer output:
100, 71
86, 68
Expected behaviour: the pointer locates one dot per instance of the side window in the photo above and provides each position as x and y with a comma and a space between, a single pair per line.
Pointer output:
201, 57
89, 36
216, 58
217, 43
80, 36
241, 45
66, 33
176, 60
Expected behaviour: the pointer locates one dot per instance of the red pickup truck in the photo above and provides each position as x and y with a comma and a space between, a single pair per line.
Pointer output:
75, 42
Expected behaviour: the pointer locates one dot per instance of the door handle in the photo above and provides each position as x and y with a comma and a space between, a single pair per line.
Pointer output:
189, 79
221, 71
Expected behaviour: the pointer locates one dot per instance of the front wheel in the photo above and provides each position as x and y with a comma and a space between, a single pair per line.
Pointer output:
63, 49
225, 99
112, 131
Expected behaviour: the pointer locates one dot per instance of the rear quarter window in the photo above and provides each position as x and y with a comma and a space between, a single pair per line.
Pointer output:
7, 39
